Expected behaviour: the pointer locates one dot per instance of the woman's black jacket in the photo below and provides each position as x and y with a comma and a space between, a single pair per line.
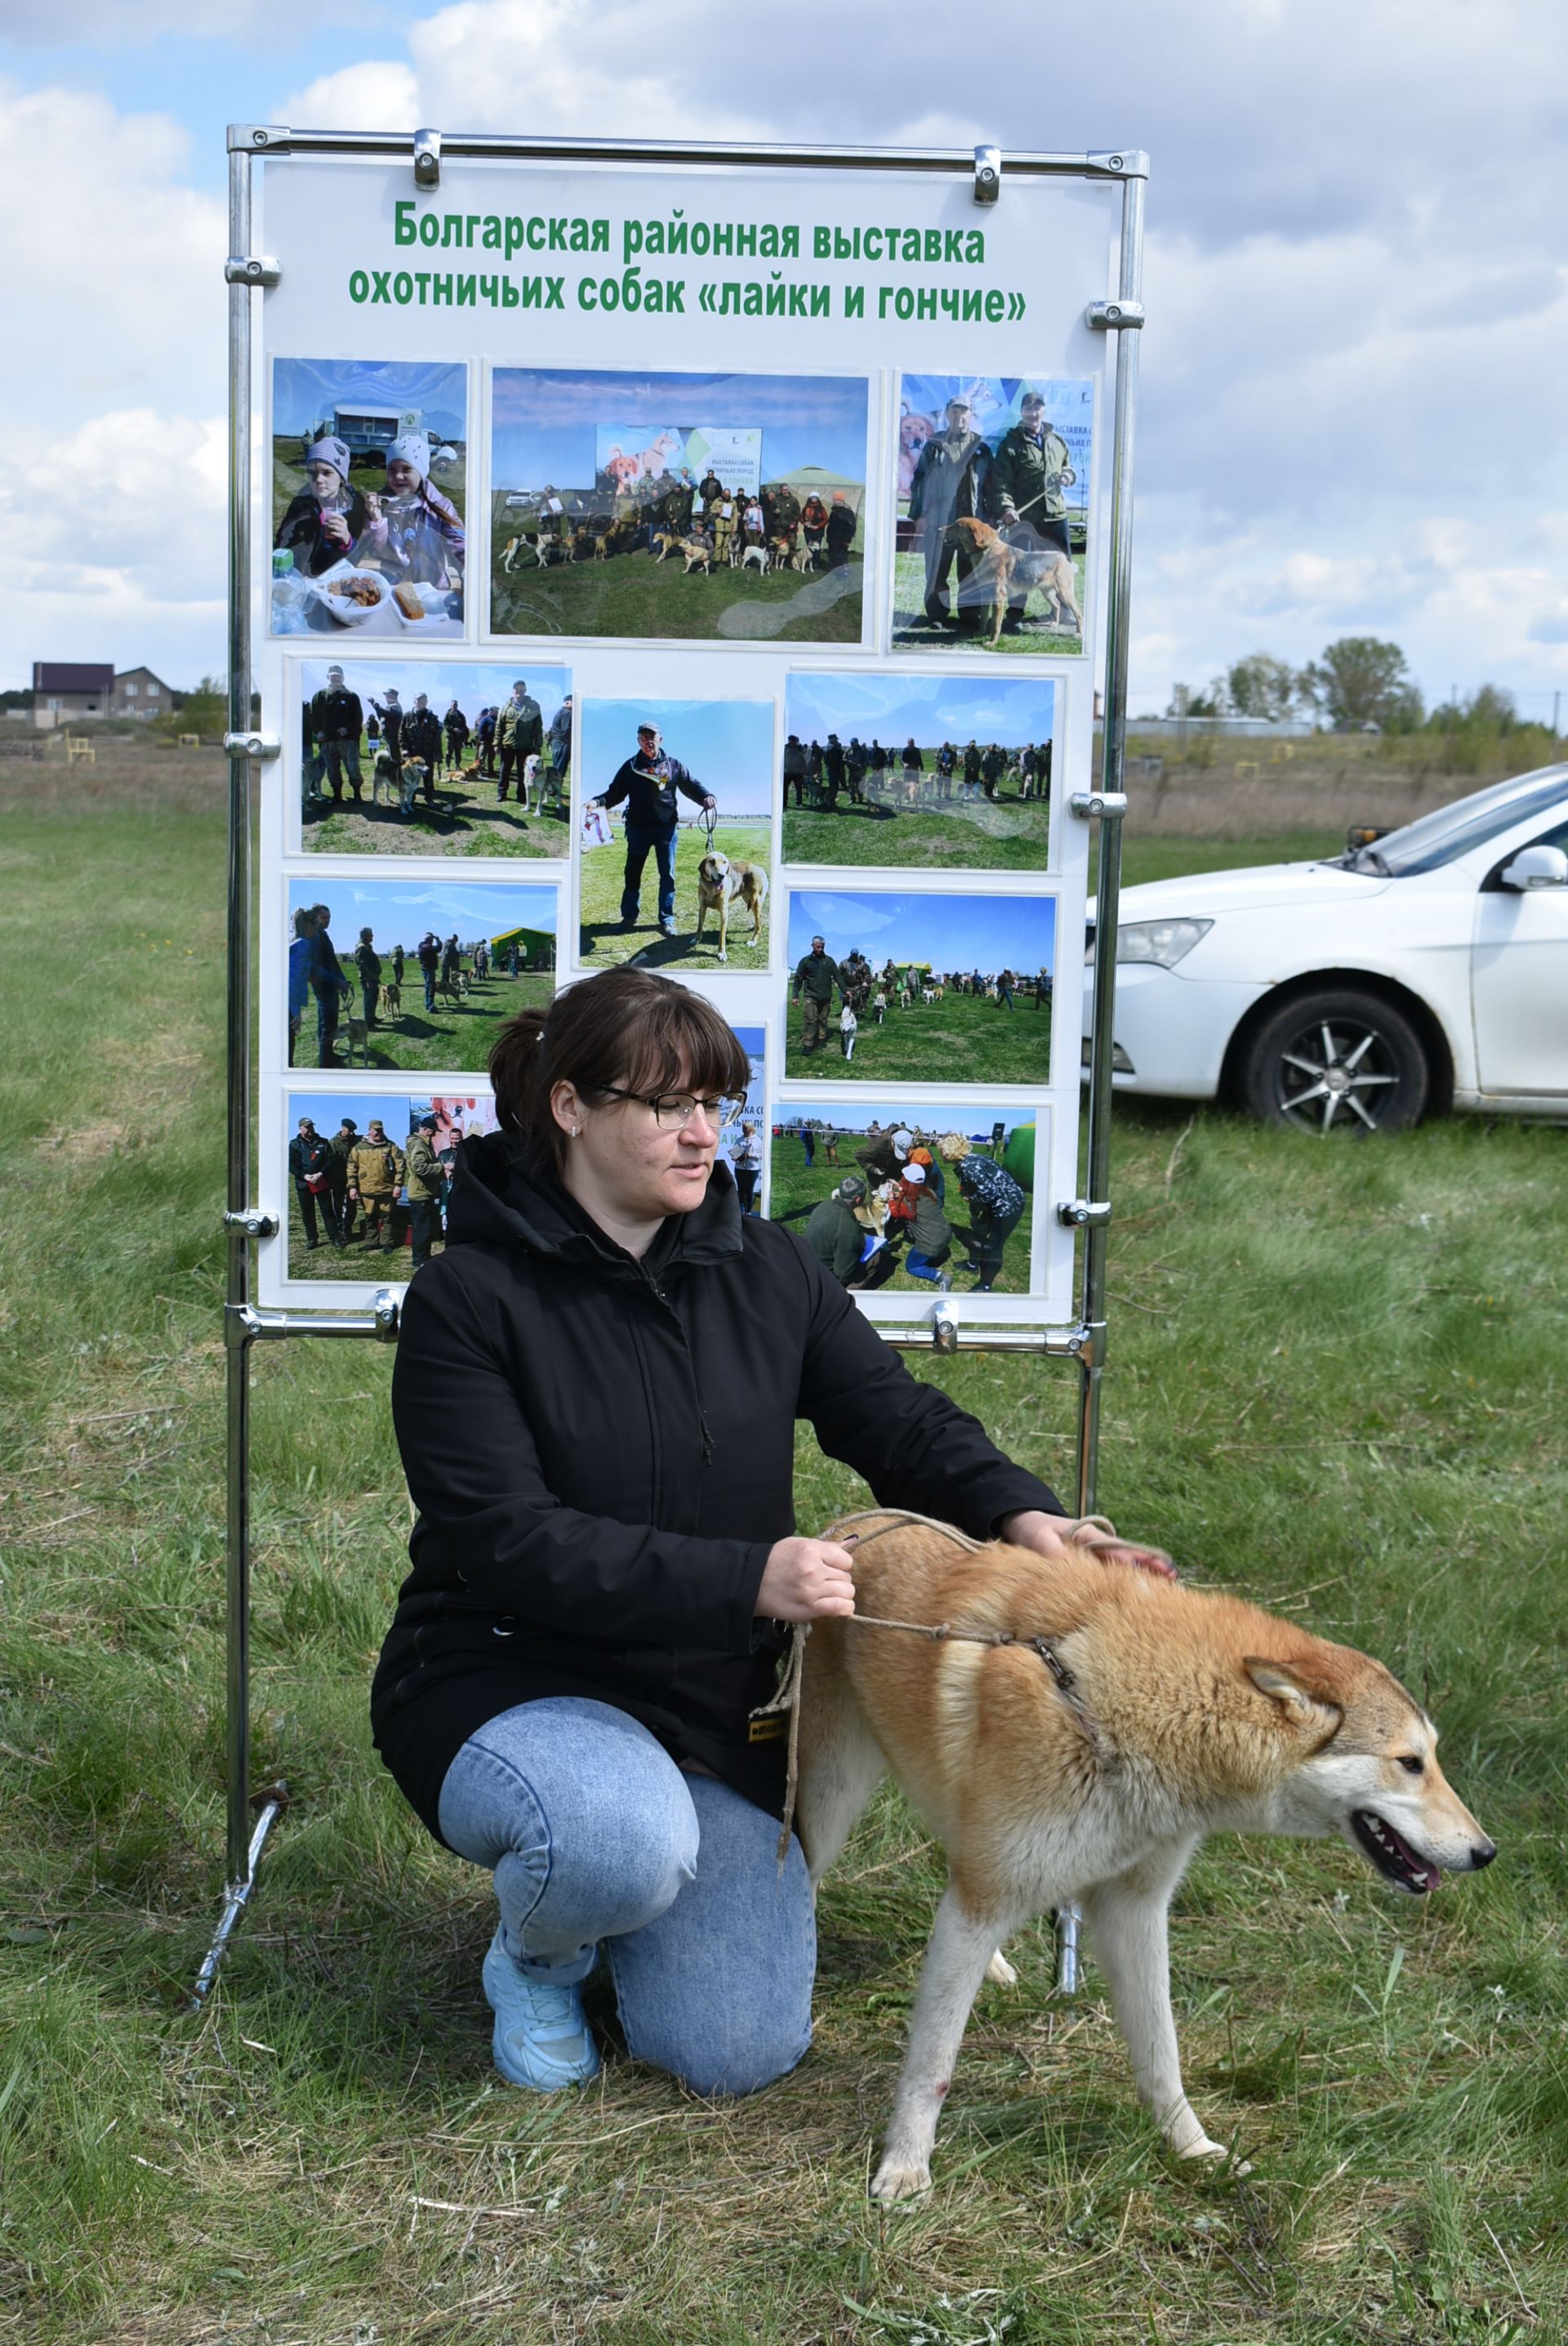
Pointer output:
601, 1452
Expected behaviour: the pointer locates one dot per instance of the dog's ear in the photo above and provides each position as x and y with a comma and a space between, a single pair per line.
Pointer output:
1311, 1714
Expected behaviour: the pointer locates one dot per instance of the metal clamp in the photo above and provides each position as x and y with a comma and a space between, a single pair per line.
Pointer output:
944, 1327
251, 269
259, 746
1131, 163
427, 158
987, 174
259, 138
1113, 317
255, 1221
1084, 1213
1109, 805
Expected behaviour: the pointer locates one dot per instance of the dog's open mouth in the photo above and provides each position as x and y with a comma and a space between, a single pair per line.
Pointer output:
1394, 1858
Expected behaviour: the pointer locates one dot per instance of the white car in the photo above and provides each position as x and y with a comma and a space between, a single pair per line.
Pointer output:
1425, 970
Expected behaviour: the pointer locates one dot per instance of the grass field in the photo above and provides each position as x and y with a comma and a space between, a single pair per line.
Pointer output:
603, 869
633, 595
454, 1037
1337, 1383
1009, 834
912, 632
960, 1039
355, 1262
466, 820
795, 1186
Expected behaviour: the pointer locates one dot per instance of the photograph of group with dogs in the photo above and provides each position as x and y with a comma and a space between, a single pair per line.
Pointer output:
368, 1179
889, 1193
413, 972
725, 506
370, 462
993, 513
946, 771
920, 988
677, 825
406, 758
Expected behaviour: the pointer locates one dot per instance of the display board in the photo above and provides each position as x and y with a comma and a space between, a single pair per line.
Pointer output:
803, 470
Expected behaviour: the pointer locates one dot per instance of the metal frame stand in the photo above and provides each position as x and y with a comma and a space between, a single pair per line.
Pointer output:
251, 1816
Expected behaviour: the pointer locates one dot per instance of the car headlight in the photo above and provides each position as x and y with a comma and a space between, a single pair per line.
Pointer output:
1164, 942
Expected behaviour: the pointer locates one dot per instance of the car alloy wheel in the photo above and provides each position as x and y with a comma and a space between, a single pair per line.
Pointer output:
1338, 1063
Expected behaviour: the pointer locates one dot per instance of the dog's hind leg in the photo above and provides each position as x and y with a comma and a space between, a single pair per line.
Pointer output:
1127, 1928
961, 1946
840, 1759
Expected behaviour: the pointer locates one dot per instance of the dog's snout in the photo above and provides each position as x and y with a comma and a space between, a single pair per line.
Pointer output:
1482, 1852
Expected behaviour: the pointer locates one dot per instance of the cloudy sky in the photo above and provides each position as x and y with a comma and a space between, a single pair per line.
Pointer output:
1351, 420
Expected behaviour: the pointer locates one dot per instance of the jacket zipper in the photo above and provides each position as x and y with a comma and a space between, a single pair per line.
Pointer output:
690, 1368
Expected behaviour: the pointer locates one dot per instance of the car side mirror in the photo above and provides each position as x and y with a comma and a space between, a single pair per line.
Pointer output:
1535, 867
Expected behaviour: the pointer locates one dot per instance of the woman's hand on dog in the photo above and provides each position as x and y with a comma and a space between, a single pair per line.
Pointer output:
805, 1580
1062, 1534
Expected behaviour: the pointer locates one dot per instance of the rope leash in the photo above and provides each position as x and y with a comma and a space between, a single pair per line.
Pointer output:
787, 1696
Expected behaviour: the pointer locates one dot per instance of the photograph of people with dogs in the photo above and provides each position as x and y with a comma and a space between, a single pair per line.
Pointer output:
920, 988
425, 757
370, 462
368, 1176
678, 832
889, 1193
945, 772
993, 513
406, 973
678, 505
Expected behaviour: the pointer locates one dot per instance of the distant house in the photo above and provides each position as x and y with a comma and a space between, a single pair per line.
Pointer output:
67, 692
139, 693
71, 692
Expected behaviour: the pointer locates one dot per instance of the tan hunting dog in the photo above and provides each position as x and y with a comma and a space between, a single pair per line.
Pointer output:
1081, 1729
724, 882
1001, 569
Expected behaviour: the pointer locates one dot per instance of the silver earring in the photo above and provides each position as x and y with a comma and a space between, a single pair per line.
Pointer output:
576, 1130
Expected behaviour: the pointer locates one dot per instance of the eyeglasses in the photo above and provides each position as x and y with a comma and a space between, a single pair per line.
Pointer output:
673, 1111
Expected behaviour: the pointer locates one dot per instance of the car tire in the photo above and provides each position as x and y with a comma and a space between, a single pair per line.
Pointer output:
1337, 1062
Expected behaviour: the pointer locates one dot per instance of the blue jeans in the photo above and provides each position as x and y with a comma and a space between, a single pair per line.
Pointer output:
639, 841
923, 1266
593, 1833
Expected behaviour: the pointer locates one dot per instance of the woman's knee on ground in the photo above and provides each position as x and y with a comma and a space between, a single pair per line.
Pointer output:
711, 2056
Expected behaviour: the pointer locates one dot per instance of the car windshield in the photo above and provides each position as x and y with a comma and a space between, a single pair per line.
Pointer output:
1451, 830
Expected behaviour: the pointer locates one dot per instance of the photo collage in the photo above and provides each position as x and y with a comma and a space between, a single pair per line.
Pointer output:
736, 694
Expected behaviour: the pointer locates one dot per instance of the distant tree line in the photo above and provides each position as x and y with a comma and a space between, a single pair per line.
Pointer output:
1357, 681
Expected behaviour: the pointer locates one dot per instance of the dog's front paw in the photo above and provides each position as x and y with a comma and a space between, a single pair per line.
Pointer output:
897, 2179
1000, 1970
1215, 2154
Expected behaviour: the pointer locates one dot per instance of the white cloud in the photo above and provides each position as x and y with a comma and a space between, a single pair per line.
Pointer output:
382, 94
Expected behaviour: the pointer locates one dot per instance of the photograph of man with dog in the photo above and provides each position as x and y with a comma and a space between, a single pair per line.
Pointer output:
744, 1140
945, 772
887, 1194
993, 513
679, 796
920, 988
422, 758
408, 973
370, 466
368, 1179
612, 517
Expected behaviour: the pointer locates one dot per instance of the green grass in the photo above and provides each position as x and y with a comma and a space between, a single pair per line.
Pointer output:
911, 633
1011, 834
603, 869
1336, 1384
796, 1187
961, 1039
454, 1038
466, 820
633, 595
